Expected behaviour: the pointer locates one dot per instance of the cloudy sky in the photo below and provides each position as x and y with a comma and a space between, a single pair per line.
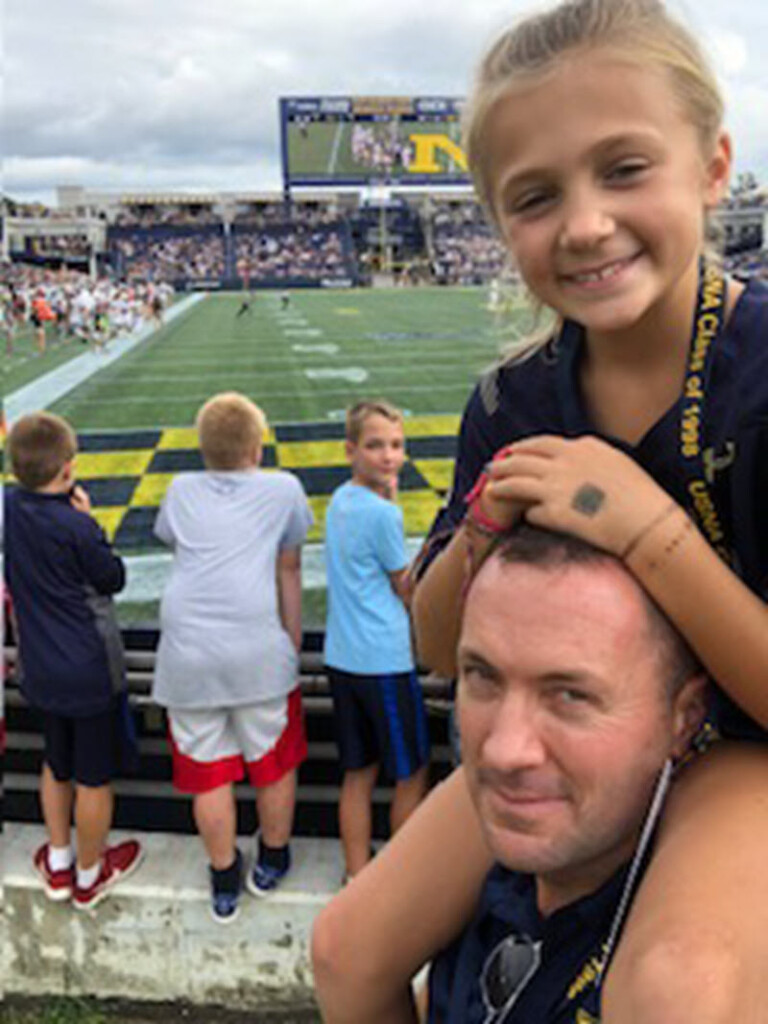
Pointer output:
182, 94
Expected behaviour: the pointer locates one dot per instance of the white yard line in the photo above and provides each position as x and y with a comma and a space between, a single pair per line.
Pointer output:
335, 147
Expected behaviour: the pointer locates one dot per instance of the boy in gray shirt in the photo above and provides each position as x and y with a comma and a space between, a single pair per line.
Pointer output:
227, 663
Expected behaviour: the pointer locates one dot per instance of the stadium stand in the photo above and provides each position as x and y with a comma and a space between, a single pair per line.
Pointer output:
294, 255
181, 255
465, 248
276, 241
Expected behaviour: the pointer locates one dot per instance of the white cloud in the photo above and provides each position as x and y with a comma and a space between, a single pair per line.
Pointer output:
729, 52
169, 90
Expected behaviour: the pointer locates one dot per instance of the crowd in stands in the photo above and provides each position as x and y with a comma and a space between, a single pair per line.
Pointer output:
301, 253
748, 264
196, 256
59, 245
468, 256
149, 217
273, 240
13, 208
265, 215
466, 249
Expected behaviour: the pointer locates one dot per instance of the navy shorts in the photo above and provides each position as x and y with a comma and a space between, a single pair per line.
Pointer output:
380, 719
94, 749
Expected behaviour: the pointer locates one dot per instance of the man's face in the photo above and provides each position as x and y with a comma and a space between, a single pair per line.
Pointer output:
564, 720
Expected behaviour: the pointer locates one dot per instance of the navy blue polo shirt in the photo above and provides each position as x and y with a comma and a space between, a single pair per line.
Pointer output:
61, 572
542, 395
564, 989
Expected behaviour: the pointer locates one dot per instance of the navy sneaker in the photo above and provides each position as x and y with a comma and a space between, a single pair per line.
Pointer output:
265, 878
225, 891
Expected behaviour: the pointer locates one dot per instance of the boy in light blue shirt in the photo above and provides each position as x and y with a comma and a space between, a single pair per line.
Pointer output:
378, 706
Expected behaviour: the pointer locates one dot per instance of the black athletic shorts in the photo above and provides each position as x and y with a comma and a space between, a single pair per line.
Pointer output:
94, 749
380, 719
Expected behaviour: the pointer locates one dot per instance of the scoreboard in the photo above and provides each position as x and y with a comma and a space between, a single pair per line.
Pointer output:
372, 140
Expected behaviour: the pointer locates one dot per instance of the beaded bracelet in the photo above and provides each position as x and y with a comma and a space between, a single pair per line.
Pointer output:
482, 523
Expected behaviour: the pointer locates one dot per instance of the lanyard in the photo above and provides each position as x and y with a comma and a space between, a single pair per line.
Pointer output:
707, 327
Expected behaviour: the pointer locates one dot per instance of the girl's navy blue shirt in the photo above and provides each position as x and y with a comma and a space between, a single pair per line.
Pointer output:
542, 395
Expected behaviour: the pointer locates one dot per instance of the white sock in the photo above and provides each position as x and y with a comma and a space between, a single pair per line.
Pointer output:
87, 876
59, 857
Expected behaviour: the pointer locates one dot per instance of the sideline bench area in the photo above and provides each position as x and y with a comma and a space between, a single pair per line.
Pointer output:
153, 938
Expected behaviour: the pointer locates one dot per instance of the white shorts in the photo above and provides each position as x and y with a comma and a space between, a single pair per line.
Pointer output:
213, 746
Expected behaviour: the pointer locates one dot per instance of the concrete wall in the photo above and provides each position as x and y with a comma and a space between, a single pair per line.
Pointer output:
153, 938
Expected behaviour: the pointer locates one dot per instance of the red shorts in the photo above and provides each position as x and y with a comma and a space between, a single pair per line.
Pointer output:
232, 739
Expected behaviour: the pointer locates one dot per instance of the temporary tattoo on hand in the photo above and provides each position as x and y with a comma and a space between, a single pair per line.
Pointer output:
588, 500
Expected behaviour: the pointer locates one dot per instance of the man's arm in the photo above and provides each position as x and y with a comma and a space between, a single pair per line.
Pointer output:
289, 593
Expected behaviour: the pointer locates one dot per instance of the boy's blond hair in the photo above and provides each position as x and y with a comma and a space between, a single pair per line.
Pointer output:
361, 411
230, 428
39, 446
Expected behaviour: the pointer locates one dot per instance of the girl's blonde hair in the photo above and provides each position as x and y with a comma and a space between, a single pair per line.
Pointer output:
231, 429
641, 31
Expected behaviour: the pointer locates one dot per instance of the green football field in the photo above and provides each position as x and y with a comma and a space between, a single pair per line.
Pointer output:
421, 349
23, 363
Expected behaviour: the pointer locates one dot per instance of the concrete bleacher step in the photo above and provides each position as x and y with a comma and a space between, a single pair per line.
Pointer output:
153, 938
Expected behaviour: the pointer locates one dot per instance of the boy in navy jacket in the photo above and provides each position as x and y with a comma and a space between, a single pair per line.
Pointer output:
61, 572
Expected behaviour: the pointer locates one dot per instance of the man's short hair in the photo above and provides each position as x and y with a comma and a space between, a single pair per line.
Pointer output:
529, 545
361, 411
39, 445
230, 428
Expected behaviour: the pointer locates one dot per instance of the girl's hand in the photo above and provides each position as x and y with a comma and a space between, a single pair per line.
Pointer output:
79, 499
498, 508
583, 486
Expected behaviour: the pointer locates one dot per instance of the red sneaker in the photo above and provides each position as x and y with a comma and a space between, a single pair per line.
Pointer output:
118, 862
58, 884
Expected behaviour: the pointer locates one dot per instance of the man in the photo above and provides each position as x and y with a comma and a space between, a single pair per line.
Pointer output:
574, 695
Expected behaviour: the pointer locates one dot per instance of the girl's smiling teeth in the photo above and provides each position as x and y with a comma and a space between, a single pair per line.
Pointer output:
603, 273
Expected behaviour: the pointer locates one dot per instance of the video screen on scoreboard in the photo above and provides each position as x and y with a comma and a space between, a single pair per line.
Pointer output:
357, 140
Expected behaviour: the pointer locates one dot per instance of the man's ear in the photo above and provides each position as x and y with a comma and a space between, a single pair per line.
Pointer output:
690, 709
349, 449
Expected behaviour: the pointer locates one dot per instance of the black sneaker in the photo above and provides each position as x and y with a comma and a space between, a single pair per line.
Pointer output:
265, 878
225, 891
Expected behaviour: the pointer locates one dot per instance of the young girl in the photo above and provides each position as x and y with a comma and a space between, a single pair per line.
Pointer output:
641, 425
